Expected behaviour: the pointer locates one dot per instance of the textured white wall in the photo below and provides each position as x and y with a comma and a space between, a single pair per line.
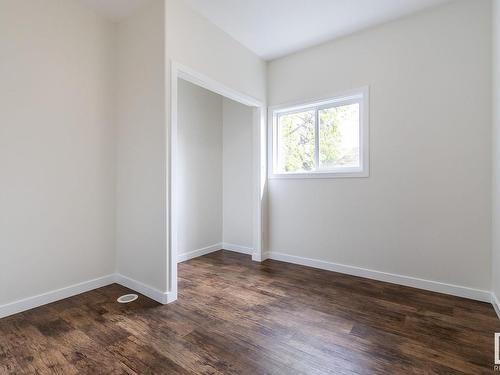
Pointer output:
425, 210
56, 147
496, 150
238, 176
141, 166
200, 168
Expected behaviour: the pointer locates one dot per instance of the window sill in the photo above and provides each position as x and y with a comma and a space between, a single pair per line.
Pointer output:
320, 175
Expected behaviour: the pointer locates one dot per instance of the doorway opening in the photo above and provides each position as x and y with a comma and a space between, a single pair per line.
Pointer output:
217, 173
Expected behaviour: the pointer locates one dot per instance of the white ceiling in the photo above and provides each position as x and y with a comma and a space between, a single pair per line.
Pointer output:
274, 28
114, 9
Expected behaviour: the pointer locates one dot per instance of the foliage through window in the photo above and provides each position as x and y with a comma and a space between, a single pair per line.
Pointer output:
322, 138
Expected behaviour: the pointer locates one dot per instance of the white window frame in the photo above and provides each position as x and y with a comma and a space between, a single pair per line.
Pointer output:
360, 96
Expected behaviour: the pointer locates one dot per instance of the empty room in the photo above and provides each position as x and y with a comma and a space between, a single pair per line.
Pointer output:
249, 187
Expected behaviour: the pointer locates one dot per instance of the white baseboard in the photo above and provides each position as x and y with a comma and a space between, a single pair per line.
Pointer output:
198, 253
216, 247
147, 290
167, 297
237, 248
256, 257
55, 295
434, 286
495, 303
86, 286
210, 249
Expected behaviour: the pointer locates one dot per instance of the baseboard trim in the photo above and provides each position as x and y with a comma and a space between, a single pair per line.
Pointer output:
215, 247
147, 290
168, 297
434, 286
237, 248
496, 304
86, 286
199, 252
257, 257
54, 295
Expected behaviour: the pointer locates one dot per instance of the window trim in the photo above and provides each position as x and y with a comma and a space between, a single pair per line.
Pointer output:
360, 96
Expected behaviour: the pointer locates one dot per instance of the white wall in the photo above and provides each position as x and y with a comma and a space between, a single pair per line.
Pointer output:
200, 168
57, 128
426, 216
496, 150
56, 147
425, 210
215, 173
141, 166
238, 185
193, 41
142, 218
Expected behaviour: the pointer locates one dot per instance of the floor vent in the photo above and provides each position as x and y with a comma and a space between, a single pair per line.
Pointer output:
127, 298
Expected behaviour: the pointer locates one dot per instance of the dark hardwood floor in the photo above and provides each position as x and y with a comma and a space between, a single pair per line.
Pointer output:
234, 316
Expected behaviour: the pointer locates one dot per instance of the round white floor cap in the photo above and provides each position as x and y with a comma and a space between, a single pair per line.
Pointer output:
127, 298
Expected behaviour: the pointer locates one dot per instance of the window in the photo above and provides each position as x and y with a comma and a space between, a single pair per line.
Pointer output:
327, 138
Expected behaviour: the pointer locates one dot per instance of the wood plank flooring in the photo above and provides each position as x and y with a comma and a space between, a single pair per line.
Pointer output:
235, 316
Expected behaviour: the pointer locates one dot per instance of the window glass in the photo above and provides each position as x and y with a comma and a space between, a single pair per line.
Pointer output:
339, 137
296, 142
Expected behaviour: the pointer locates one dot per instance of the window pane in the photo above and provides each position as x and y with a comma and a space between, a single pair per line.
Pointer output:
296, 142
339, 137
